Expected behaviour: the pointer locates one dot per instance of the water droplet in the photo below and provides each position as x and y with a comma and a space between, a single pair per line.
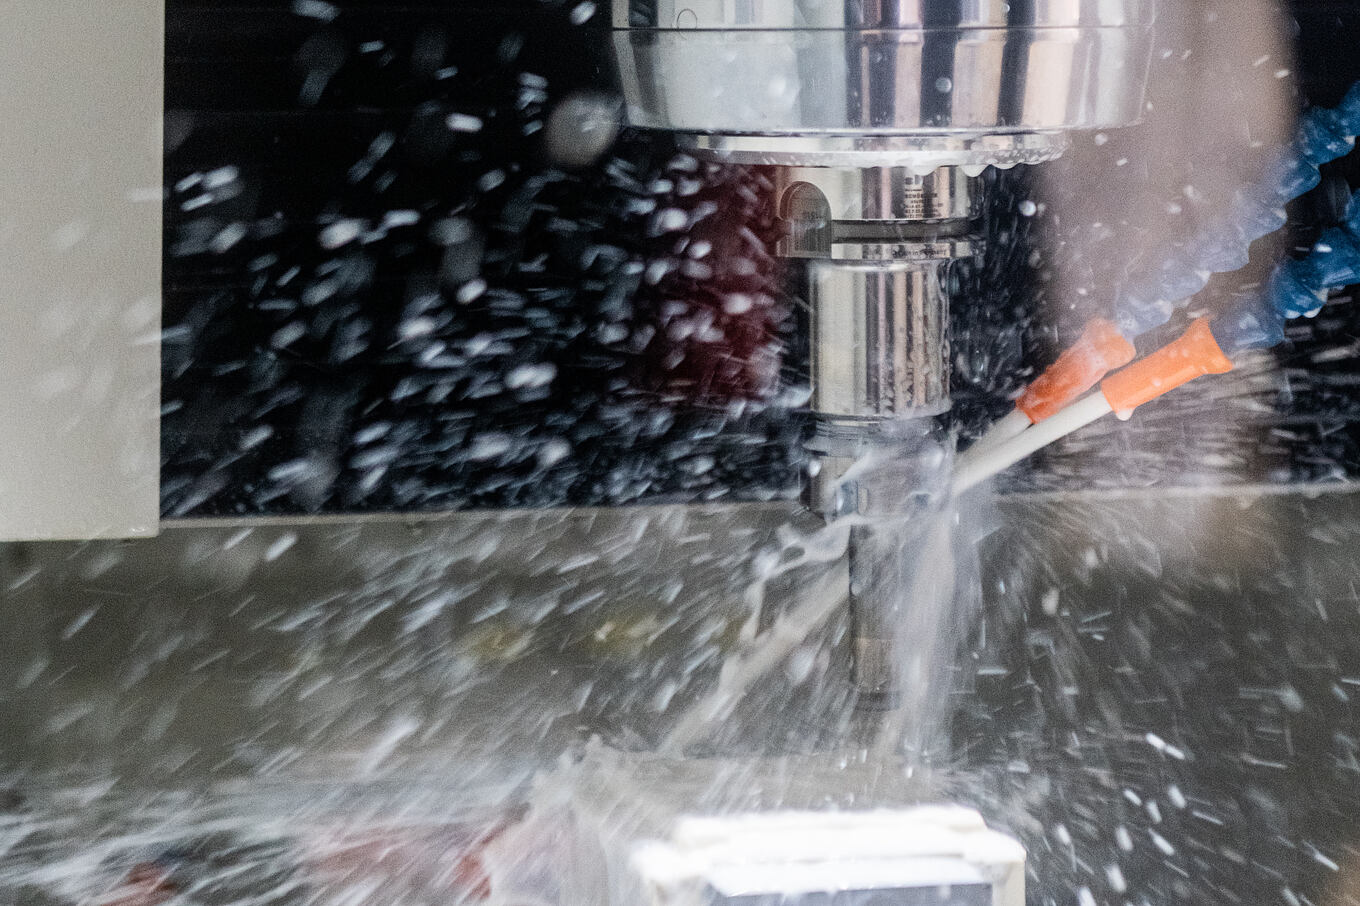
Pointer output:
581, 13
463, 122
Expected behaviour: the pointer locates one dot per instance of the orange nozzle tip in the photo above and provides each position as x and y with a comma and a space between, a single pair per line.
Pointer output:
1193, 354
1100, 349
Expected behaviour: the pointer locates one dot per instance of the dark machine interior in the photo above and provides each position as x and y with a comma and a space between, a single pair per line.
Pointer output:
290, 386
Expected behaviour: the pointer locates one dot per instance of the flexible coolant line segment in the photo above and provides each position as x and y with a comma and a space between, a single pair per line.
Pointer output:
1008, 426
1323, 135
1193, 354
973, 468
1297, 288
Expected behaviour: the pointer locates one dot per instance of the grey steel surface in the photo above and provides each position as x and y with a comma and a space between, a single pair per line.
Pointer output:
871, 14
887, 193
211, 653
1220, 620
880, 338
844, 71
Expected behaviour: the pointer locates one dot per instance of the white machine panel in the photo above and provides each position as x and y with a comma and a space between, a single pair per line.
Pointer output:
80, 267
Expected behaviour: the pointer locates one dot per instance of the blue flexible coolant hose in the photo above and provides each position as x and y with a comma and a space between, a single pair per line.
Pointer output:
1323, 135
1296, 289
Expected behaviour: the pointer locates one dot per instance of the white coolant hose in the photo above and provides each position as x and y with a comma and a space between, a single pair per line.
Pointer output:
975, 465
1002, 430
